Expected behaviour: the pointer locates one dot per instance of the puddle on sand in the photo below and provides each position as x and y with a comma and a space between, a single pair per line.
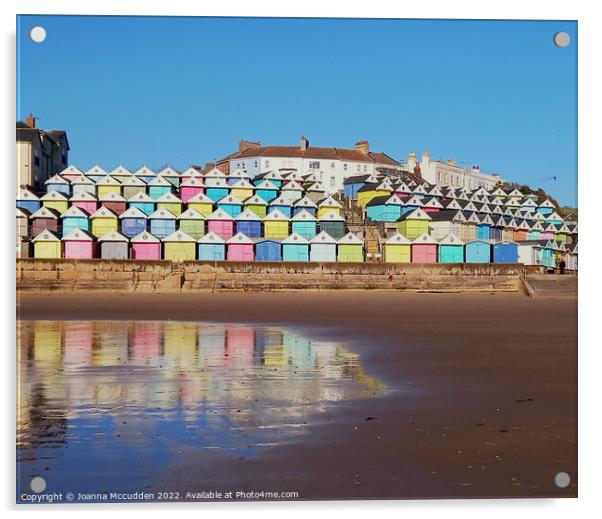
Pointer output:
106, 406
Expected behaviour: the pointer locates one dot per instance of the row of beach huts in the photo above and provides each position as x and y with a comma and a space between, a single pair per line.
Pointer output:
280, 217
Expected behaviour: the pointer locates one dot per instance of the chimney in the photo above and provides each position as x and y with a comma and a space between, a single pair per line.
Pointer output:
426, 157
31, 120
411, 161
451, 162
247, 145
209, 166
362, 146
304, 144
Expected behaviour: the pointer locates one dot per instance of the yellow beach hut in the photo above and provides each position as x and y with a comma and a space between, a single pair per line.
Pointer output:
242, 189
47, 245
201, 203
103, 220
276, 225
107, 185
55, 200
414, 223
192, 223
328, 205
398, 249
350, 248
179, 246
369, 191
170, 202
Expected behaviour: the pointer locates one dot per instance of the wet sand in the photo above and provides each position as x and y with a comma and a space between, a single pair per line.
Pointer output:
481, 400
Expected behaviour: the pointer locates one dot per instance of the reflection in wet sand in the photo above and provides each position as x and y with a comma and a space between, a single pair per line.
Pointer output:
107, 405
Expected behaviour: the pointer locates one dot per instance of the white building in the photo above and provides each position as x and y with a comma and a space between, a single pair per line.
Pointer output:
329, 165
450, 174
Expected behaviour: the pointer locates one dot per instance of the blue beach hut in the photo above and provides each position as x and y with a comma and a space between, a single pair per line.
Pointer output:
281, 204
268, 250
133, 222
505, 252
295, 248
483, 228
305, 204
248, 223
27, 200
162, 223
478, 251
58, 183
211, 247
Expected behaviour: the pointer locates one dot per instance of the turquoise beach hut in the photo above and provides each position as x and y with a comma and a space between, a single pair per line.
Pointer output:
478, 251
217, 190
304, 224
158, 187
281, 204
295, 248
266, 190
384, 208
230, 205
211, 247
74, 218
143, 202
333, 224
451, 249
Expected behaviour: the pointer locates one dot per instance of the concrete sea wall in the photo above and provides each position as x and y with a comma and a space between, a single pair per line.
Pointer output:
42, 275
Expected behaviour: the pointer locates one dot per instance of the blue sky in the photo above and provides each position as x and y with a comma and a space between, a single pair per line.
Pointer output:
184, 91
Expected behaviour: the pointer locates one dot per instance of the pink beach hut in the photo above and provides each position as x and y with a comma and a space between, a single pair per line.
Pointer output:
424, 249
79, 244
85, 201
220, 223
145, 246
190, 188
240, 248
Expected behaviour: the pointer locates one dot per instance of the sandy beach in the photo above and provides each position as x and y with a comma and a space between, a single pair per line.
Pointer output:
482, 398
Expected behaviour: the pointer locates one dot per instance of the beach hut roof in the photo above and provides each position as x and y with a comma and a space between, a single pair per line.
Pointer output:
452, 204
46, 235
266, 184
529, 203
402, 187
247, 214
112, 197
305, 202
323, 237
46, 212
26, 194
356, 179
71, 170
191, 214
255, 200
169, 197
243, 183
515, 192
144, 172
435, 190
162, 214
537, 226
82, 180
103, 212
331, 217
416, 214
141, 197
74, 211
133, 181
133, 212
54, 195
445, 215
220, 214
500, 222
211, 237
179, 236
524, 225
78, 235
22, 213
397, 239
240, 173
350, 239
215, 173
83, 196
192, 172
57, 179
192, 182
425, 239
230, 200
145, 237
121, 171
295, 239
317, 187
113, 236
293, 185
552, 216
168, 171
451, 239
96, 170
218, 183
281, 201
499, 192
304, 216
486, 219
240, 238
200, 198
329, 202
433, 203
108, 180
472, 217
547, 203
414, 200
420, 190
159, 181
276, 215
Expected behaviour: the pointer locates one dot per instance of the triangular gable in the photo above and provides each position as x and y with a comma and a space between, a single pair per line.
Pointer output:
323, 237
547, 203
216, 173
515, 193
433, 203
178, 236
281, 201
162, 214
133, 181
267, 185
168, 171
276, 215
133, 212
168, 197
113, 236
500, 222
329, 202
247, 214
350, 239
499, 192
304, 215
451, 239
112, 197
54, 195
486, 220
160, 181
305, 202
295, 239
78, 235
402, 188
230, 200
414, 200
140, 197
103, 212
243, 183
57, 179
145, 237
45, 212
144, 172
397, 239
96, 170
416, 214
192, 173
82, 180
121, 171
452, 204
318, 187
241, 239
552, 216
420, 190
220, 214
292, 186
74, 212
255, 200
108, 181
473, 218
26, 194
46, 235
192, 182
435, 191
191, 214
425, 239
200, 198
331, 217
211, 238
71, 170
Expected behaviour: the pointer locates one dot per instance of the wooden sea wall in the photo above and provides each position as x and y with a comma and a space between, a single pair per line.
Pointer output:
43, 275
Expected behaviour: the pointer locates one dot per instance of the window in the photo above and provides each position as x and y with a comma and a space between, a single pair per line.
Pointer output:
358, 167
345, 166
332, 164
314, 165
255, 163
36, 158
267, 163
365, 168
332, 181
